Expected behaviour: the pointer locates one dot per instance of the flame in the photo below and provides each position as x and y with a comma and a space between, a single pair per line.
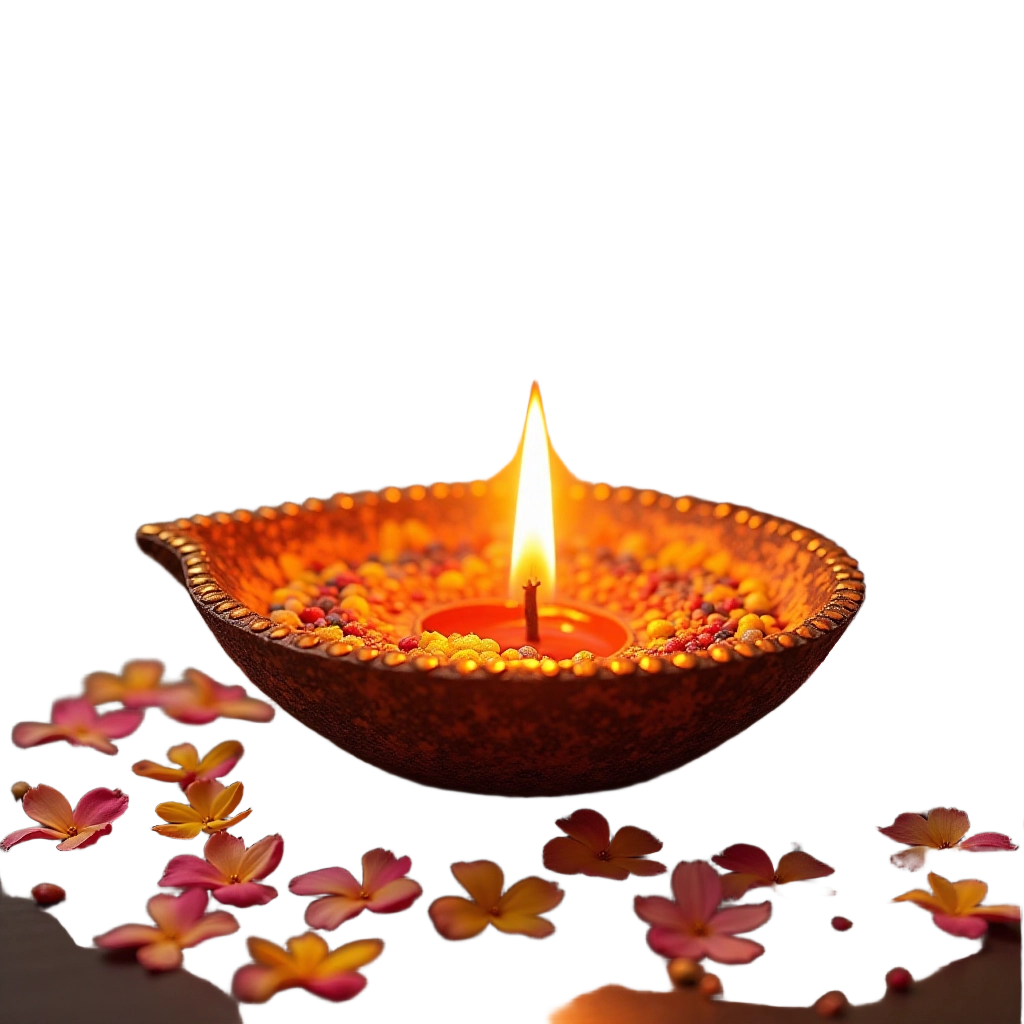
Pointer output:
533, 539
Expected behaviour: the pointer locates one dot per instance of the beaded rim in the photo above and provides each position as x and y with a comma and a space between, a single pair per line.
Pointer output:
847, 593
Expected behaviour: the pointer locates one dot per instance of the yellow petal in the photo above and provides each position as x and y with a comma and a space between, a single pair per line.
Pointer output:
173, 811
947, 826
220, 824
183, 830
226, 800
922, 899
482, 879
220, 753
307, 951
969, 893
267, 953
184, 754
351, 956
944, 892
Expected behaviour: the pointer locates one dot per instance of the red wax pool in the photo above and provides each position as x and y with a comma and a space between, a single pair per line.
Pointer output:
564, 629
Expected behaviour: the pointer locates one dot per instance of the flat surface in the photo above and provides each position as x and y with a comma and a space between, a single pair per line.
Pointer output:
841, 757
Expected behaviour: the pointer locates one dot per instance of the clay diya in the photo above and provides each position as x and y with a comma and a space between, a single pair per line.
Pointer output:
551, 725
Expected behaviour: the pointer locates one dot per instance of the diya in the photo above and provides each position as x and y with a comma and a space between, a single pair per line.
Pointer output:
526, 635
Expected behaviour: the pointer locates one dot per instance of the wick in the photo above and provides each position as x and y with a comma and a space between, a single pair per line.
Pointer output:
530, 600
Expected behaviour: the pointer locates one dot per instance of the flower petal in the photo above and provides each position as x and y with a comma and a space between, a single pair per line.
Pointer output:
330, 911
911, 859
587, 827
142, 673
74, 712
998, 912
225, 798
220, 760
531, 895
798, 866
639, 866
458, 918
630, 841
268, 954
35, 734
671, 943
482, 879
161, 956
30, 833
187, 756
100, 806
334, 881
152, 770
395, 896
173, 811
248, 708
255, 984
740, 919
86, 837
945, 892
95, 740
523, 924
180, 830
921, 899
747, 860
244, 894
350, 957
966, 927
176, 914
725, 949
571, 857
187, 870
224, 823
336, 987
117, 724
202, 796
50, 807
103, 687
307, 951
261, 858
660, 912
986, 841
381, 867
209, 926
697, 889
225, 853
128, 935
734, 885
911, 829
969, 893
947, 826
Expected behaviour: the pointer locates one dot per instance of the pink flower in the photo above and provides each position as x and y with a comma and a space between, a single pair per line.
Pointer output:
588, 848
200, 699
792, 879
307, 964
75, 719
76, 828
230, 871
693, 926
384, 890
956, 906
942, 828
180, 922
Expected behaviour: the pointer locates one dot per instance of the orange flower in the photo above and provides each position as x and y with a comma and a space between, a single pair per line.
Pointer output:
138, 681
942, 828
218, 761
750, 867
209, 804
200, 699
515, 911
589, 849
955, 906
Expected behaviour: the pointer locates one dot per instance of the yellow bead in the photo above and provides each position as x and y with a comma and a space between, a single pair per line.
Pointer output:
451, 579
469, 642
464, 653
355, 604
748, 622
510, 655
488, 645
660, 628
286, 618
757, 602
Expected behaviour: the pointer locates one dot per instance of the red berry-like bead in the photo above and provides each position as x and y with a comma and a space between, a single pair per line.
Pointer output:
842, 924
899, 979
46, 894
310, 615
354, 629
408, 643
674, 644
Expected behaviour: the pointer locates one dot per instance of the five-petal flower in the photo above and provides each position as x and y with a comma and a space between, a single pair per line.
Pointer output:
306, 963
515, 911
200, 699
942, 828
384, 890
209, 804
589, 849
76, 828
180, 923
955, 906
693, 925
75, 719
138, 685
750, 867
230, 871
191, 767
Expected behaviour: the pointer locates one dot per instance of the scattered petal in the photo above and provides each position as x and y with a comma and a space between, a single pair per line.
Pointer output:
956, 906
984, 842
200, 699
75, 720
591, 850
76, 828
189, 767
230, 871
209, 804
137, 680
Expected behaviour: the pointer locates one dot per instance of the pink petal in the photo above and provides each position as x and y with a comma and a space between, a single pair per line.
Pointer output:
395, 896
116, 724
249, 709
910, 860
671, 944
34, 734
128, 935
909, 829
587, 827
335, 881
245, 894
188, 870
176, 914
726, 950
382, 866
189, 714
256, 984
330, 911
697, 889
209, 926
74, 712
659, 911
747, 860
740, 919
338, 987
94, 740
86, 837
262, 858
29, 833
100, 806
967, 927
161, 956
986, 841
49, 807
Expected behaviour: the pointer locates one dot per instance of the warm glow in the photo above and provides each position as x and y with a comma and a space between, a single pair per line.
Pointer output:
533, 539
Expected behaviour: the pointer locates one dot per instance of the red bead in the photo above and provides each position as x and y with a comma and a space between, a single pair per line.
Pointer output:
674, 644
343, 579
409, 643
730, 604
842, 924
310, 615
899, 979
354, 629
46, 894
705, 640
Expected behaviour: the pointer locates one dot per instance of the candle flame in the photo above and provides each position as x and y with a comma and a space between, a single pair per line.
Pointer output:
533, 539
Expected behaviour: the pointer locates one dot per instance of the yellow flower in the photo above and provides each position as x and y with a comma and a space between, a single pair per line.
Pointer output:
516, 911
209, 804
